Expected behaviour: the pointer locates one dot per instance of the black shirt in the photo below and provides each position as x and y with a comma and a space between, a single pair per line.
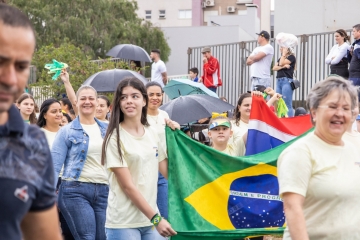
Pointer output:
26, 174
285, 72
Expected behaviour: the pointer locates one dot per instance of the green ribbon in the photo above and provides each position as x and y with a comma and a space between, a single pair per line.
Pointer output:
55, 67
281, 109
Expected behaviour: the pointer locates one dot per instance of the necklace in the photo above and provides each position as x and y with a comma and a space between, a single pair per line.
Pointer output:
155, 118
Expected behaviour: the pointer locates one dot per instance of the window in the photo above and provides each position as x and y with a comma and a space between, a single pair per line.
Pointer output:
147, 14
185, 14
161, 14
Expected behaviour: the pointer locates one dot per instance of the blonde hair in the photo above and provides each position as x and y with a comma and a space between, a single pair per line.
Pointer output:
84, 87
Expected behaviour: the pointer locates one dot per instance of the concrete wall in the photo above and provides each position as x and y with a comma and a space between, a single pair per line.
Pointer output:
315, 16
250, 23
181, 38
171, 7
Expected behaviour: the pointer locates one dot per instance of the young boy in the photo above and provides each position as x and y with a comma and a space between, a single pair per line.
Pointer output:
220, 132
193, 73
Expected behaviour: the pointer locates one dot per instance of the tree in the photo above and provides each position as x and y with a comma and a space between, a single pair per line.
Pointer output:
93, 25
80, 67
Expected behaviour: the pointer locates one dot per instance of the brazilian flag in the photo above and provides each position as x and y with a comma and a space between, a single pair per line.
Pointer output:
215, 196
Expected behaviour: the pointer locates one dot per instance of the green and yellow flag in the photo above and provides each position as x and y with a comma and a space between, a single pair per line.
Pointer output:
215, 196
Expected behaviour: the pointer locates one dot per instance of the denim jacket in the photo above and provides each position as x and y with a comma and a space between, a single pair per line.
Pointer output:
70, 149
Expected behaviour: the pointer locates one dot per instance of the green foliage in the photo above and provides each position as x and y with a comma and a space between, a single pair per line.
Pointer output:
80, 67
93, 25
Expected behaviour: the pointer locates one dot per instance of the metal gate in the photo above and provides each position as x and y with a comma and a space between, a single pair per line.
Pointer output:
310, 67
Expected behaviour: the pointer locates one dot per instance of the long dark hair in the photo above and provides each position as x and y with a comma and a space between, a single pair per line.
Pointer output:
67, 117
117, 116
66, 102
152, 84
41, 122
32, 117
237, 113
343, 33
106, 99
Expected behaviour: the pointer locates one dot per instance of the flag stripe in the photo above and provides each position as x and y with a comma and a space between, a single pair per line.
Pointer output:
261, 142
267, 131
272, 131
260, 111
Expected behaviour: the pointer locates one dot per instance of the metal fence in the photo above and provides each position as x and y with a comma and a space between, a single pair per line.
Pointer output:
40, 94
310, 67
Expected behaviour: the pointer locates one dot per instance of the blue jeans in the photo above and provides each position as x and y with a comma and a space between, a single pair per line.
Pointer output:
65, 230
260, 81
142, 233
284, 88
83, 205
212, 89
162, 196
356, 82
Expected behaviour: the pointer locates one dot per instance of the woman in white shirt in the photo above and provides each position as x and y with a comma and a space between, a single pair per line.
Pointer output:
133, 155
49, 121
103, 108
319, 174
84, 185
337, 58
156, 118
241, 117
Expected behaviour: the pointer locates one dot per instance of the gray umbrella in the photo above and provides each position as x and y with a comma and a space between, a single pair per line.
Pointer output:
186, 109
108, 80
129, 51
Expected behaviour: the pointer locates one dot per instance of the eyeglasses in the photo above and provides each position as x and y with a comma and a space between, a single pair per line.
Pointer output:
334, 109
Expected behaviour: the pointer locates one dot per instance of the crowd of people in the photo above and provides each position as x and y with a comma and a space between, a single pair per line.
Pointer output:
100, 167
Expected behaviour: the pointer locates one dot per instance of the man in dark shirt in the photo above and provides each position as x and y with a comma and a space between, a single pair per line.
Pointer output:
354, 57
27, 202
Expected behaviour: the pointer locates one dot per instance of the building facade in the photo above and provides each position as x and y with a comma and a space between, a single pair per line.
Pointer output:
185, 13
166, 13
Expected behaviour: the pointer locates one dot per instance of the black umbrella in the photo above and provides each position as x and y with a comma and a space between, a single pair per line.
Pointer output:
108, 80
186, 109
129, 51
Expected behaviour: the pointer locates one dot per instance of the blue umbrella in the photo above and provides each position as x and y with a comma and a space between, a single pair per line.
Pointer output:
184, 87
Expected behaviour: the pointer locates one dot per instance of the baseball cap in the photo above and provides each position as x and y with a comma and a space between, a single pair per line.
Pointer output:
205, 49
260, 88
358, 118
264, 34
300, 111
220, 122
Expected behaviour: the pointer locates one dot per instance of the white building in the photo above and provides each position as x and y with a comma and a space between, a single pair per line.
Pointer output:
166, 13
184, 13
